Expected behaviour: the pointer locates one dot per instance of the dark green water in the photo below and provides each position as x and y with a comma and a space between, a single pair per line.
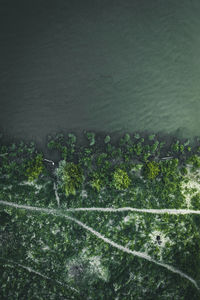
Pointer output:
99, 65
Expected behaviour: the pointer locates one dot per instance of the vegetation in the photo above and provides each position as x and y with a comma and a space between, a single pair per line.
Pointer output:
70, 176
35, 167
107, 139
46, 255
91, 138
96, 182
151, 170
194, 160
121, 180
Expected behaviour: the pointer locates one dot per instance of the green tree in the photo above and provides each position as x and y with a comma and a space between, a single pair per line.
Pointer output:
96, 182
138, 148
107, 139
70, 176
35, 168
91, 137
121, 179
175, 147
151, 170
194, 160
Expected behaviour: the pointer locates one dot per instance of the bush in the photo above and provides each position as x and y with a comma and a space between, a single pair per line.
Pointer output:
137, 136
182, 149
107, 139
96, 182
151, 137
64, 152
154, 147
101, 158
138, 148
184, 171
70, 177
127, 138
91, 138
195, 160
72, 138
121, 179
151, 170
175, 147
35, 168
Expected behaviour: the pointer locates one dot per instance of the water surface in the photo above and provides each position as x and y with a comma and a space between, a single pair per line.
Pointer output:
99, 65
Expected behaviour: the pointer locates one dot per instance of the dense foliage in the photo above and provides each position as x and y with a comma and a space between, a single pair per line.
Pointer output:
70, 176
121, 180
151, 169
34, 167
46, 255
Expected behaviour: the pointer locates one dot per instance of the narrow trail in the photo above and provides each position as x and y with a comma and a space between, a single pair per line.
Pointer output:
122, 209
106, 240
140, 210
35, 272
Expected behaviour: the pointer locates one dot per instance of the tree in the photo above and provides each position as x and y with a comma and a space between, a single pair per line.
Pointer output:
107, 139
195, 160
121, 179
151, 170
70, 176
35, 167
96, 182
91, 137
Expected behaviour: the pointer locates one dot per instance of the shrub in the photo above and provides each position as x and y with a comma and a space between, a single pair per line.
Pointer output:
146, 156
96, 182
101, 158
182, 149
195, 160
151, 137
35, 168
72, 138
91, 138
64, 152
107, 139
70, 177
175, 147
138, 148
154, 147
137, 136
127, 138
184, 171
195, 201
121, 179
151, 170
